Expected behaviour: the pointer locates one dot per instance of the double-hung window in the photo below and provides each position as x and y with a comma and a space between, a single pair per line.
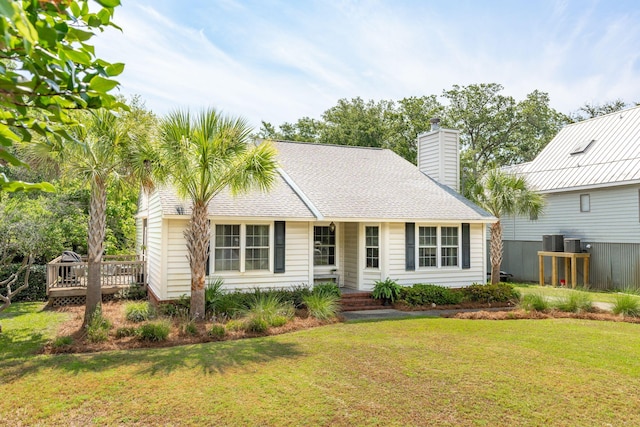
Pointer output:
227, 251
449, 246
438, 246
257, 247
324, 251
428, 246
372, 246
246, 246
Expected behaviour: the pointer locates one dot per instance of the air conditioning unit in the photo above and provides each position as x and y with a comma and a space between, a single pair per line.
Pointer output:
553, 243
572, 245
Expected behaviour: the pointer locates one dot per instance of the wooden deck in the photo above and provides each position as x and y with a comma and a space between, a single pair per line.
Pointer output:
67, 281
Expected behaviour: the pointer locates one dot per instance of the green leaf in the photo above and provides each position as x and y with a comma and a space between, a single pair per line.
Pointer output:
115, 69
6, 8
7, 137
75, 34
77, 56
10, 158
100, 84
109, 3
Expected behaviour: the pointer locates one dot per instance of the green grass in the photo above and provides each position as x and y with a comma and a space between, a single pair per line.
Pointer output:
557, 292
403, 372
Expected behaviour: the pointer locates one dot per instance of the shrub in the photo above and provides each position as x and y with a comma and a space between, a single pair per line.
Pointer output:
235, 325
189, 328
322, 307
62, 341
137, 311
626, 305
98, 328
256, 324
133, 292
154, 331
217, 331
126, 331
498, 292
229, 305
575, 302
37, 289
386, 289
534, 302
329, 288
426, 294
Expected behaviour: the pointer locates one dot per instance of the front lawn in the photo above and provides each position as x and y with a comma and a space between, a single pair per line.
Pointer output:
403, 372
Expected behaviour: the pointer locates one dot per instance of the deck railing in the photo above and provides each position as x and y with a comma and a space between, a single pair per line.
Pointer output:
115, 271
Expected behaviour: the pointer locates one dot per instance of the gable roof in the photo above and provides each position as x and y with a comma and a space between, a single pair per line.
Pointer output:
598, 152
331, 182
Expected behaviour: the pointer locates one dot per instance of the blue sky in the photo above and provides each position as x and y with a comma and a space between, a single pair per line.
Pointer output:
281, 60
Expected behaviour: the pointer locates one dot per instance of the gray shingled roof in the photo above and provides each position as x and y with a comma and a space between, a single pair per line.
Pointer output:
340, 182
612, 158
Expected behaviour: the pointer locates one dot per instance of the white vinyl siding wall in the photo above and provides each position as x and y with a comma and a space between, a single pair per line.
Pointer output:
155, 261
613, 217
296, 263
445, 276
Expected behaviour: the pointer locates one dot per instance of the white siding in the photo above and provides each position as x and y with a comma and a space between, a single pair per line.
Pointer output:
350, 265
155, 260
447, 276
139, 231
614, 217
438, 156
296, 263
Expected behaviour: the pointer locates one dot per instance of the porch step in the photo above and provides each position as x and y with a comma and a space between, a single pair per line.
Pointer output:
355, 301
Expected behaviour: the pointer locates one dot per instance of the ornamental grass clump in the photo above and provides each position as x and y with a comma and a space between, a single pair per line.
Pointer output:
322, 306
154, 331
138, 311
267, 309
98, 327
534, 302
575, 302
626, 304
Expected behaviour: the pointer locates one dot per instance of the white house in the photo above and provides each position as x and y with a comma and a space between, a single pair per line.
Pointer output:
590, 175
350, 214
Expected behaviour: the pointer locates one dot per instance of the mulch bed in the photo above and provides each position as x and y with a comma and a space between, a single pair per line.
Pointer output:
114, 311
551, 314
463, 306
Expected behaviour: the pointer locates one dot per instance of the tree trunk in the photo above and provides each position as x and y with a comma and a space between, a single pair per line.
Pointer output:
198, 237
496, 251
95, 242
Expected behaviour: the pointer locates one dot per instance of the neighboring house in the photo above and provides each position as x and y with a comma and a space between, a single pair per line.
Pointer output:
353, 215
590, 175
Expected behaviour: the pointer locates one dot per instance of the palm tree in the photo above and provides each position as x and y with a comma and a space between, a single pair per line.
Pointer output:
105, 150
502, 193
203, 155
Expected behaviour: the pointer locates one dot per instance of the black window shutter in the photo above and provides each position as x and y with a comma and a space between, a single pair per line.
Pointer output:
410, 246
466, 246
278, 259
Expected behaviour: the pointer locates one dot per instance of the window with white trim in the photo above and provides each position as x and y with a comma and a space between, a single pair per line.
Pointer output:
449, 246
257, 247
324, 251
245, 247
438, 246
427, 246
372, 246
227, 247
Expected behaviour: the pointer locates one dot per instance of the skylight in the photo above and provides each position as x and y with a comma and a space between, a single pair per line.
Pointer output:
582, 147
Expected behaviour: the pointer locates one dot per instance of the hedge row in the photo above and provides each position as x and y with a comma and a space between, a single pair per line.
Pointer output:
426, 294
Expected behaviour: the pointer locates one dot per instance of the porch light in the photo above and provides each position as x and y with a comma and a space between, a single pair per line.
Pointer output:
332, 227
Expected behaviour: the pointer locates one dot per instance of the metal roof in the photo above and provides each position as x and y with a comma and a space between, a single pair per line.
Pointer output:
597, 152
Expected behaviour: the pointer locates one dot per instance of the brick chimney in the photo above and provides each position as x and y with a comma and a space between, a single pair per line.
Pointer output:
438, 154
